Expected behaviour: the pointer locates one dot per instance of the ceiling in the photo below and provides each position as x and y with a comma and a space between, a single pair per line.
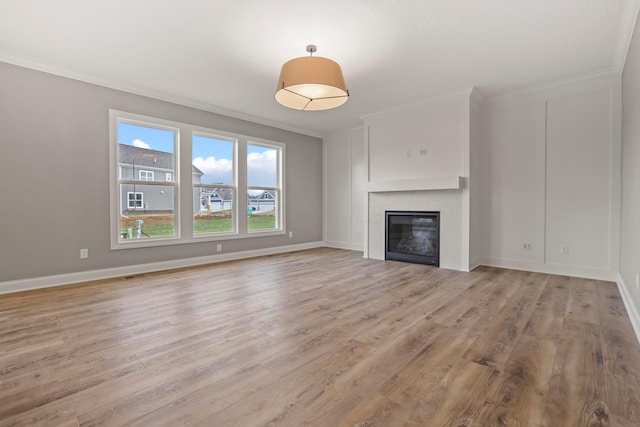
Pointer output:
225, 56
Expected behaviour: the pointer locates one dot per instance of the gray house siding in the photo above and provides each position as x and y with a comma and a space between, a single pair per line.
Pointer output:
143, 165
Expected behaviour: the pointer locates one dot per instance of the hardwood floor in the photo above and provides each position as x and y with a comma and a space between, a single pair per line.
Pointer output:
320, 338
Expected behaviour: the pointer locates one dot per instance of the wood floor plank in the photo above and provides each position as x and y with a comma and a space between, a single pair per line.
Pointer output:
458, 398
287, 400
622, 367
318, 338
547, 319
377, 411
494, 346
577, 390
583, 301
519, 395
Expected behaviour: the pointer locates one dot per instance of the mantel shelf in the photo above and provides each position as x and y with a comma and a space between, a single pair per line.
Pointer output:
424, 184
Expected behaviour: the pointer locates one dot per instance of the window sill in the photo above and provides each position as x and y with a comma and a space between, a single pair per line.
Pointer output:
146, 243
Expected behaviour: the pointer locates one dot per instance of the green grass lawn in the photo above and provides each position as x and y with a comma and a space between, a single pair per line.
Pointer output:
222, 225
212, 225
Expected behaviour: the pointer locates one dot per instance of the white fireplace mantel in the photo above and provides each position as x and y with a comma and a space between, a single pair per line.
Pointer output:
423, 184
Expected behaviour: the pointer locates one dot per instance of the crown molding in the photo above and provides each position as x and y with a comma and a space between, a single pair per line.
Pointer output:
627, 28
464, 93
20, 62
604, 79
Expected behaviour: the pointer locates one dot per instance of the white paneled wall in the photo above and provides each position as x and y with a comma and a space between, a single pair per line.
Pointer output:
541, 169
421, 141
578, 181
552, 179
514, 191
344, 184
629, 278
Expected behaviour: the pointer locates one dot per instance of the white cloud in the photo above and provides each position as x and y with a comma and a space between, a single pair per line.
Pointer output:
262, 168
140, 144
215, 170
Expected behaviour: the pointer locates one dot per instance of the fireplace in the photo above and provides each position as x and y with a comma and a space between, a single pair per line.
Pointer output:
413, 237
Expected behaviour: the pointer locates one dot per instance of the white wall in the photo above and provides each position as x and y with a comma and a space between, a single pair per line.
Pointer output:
344, 187
397, 138
630, 224
579, 152
418, 144
551, 179
513, 193
475, 184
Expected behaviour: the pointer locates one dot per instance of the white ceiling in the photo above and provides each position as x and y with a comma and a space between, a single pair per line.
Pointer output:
225, 56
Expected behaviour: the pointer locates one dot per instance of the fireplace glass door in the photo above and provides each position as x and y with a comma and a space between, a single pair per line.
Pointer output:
413, 237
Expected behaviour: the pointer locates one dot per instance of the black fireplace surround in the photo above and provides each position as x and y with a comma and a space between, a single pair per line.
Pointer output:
413, 237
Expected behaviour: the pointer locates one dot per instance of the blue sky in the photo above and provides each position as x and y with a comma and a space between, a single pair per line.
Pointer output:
210, 155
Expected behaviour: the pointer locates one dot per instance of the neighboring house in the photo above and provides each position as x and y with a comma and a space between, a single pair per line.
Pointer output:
143, 164
263, 201
214, 199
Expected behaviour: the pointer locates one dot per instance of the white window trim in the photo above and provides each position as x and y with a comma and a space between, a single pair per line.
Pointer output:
114, 180
182, 177
279, 190
234, 140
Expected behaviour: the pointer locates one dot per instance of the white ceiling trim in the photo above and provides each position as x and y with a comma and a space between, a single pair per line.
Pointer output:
155, 95
630, 19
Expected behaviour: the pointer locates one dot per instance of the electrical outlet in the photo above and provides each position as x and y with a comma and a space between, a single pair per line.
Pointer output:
565, 250
527, 246
424, 151
219, 248
84, 253
290, 234
637, 280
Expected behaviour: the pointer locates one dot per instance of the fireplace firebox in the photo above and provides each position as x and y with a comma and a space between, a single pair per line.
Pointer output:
413, 237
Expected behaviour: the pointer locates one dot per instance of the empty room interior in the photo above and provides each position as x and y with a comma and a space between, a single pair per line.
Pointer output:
339, 213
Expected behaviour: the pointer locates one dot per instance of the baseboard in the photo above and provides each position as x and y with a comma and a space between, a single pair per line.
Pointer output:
628, 304
563, 270
342, 245
107, 273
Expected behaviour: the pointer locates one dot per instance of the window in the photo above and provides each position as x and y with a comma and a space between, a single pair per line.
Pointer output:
142, 208
263, 187
236, 183
213, 181
146, 176
134, 200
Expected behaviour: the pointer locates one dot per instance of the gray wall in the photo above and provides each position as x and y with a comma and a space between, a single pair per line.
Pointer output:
54, 176
630, 219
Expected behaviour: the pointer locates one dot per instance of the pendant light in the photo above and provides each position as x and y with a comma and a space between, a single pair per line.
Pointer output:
311, 83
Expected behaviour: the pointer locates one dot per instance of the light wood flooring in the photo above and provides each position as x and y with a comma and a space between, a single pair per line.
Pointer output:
320, 338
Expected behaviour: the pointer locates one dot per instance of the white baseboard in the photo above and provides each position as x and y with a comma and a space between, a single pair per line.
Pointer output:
628, 304
342, 245
563, 270
106, 273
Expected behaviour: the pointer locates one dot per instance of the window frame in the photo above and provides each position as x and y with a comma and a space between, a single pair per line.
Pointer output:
278, 189
234, 140
183, 183
116, 180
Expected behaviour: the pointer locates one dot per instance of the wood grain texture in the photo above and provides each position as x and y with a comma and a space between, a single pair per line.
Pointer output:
320, 338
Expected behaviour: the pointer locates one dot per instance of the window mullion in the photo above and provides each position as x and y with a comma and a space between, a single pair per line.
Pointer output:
241, 180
